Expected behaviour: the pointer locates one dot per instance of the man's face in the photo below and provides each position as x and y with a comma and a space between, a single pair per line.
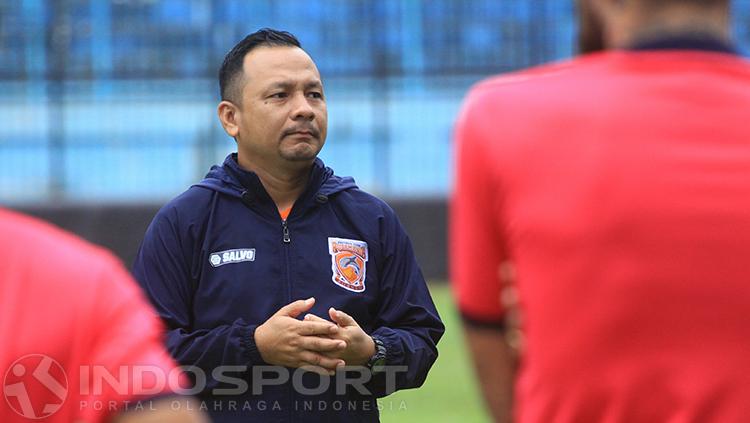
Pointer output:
282, 117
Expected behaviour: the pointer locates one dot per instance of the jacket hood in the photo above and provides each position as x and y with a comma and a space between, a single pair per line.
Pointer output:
232, 180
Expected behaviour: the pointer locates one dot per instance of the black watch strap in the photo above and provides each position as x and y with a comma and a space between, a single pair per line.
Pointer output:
377, 359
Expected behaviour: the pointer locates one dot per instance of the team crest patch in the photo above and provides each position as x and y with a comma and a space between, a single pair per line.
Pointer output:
348, 261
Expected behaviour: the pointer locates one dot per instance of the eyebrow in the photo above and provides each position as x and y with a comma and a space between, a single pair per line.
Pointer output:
287, 85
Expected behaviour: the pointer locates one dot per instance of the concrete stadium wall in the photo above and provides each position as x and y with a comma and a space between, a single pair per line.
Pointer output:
120, 227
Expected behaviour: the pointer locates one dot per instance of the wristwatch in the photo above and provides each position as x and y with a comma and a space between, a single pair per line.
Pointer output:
377, 361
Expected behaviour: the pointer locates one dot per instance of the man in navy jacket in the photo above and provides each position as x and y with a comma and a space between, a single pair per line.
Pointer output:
291, 294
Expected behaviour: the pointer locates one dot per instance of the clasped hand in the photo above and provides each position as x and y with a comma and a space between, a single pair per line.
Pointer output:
313, 343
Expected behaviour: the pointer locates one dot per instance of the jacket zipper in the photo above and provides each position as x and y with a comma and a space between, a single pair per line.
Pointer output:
286, 240
285, 232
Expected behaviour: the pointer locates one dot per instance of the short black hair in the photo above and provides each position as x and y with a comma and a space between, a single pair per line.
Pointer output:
230, 72
704, 3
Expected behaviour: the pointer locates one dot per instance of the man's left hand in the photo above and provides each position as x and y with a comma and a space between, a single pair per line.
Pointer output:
359, 345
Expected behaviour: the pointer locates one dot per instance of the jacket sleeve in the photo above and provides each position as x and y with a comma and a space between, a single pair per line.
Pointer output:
408, 323
164, 268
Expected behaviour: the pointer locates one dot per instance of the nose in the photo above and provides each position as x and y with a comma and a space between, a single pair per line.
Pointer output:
301, 108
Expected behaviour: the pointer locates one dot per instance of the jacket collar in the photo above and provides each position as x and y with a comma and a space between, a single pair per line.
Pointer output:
231, 180
688, 41
254, 193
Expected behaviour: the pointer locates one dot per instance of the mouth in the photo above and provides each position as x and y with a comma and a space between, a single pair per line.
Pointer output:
303, 133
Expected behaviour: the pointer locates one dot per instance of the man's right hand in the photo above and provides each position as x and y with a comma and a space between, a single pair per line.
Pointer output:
285, 341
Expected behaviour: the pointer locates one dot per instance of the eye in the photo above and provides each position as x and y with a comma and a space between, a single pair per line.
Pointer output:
315, 94
278, 95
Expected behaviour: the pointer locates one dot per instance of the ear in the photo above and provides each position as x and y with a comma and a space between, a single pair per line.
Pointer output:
229, 117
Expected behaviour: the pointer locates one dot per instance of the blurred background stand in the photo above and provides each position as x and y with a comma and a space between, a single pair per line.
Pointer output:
107, 107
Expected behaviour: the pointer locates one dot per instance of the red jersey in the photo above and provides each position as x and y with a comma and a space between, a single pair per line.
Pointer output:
78, 338
619, 186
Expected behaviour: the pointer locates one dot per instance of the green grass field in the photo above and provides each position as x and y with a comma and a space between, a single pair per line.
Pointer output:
450, 393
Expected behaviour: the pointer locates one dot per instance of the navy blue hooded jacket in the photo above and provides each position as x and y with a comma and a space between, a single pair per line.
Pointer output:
217, 261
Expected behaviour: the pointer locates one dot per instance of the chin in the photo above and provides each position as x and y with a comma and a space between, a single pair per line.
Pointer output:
300, 158
300, 153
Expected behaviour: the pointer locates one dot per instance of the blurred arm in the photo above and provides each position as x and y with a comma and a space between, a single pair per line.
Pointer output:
163, 411
477, 251
495, 365
118, 311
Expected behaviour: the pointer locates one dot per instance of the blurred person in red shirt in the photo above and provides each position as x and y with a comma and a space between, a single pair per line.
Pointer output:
616, 186
80, 343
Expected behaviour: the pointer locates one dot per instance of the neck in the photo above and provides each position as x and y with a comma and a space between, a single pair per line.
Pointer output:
283, 184
646, 23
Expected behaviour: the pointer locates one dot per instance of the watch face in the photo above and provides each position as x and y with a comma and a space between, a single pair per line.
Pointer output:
378, 365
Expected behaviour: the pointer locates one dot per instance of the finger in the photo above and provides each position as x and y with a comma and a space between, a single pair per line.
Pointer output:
317, 369
314, 318
319, 360
341, 318
296, 308
310, 328
315, 343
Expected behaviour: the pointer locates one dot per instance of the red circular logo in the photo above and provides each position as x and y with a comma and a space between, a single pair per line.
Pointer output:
35, 386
